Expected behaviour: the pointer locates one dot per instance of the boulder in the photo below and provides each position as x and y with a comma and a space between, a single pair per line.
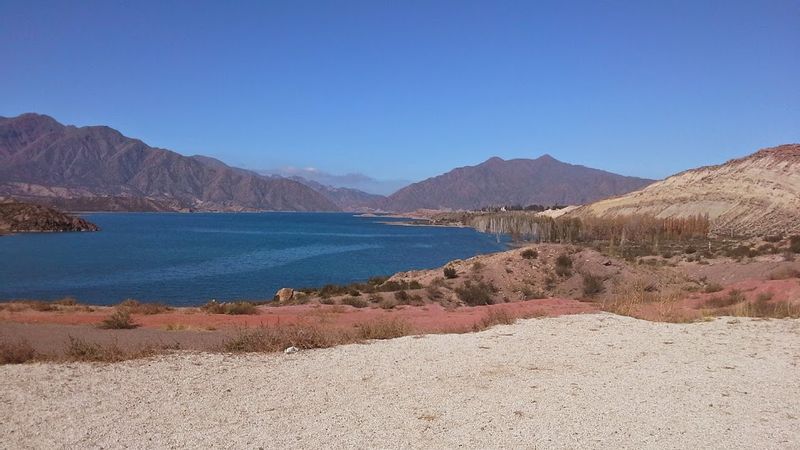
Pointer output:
284, 294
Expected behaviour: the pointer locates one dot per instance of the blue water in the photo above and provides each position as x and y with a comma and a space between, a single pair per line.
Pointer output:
187, 259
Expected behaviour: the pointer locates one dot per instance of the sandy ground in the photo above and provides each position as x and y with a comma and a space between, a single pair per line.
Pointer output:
589, 381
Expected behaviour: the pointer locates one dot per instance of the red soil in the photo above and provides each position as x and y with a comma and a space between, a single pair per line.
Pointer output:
429, 318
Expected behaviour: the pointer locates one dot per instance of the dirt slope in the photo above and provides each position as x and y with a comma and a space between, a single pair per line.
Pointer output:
751, 196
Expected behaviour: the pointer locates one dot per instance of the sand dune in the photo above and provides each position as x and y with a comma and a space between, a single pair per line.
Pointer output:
590, 381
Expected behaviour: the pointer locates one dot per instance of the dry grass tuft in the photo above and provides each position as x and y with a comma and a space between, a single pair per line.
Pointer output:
279, 338
355, 302
137, 307
734, 297
119, 320
232, 308
784, 273
384, 329
496, 316
16, 352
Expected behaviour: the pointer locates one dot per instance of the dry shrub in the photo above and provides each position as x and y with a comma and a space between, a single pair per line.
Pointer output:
734, 297
16, 352
66, 301
763, 306
119, 320
81, 350
529, 253
496, 316
450, 272
232, 308
784, 273
563, 265
279, 338
475, 294
629, 297
137, 307
434, 292
355, 302
388, 303
384, 329
712, 287
592, 284
794, 244
37, 305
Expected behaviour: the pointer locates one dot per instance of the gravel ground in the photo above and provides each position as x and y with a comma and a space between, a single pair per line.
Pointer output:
600, 381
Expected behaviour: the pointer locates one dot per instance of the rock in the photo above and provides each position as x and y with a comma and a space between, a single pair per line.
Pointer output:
284, 294
291, 350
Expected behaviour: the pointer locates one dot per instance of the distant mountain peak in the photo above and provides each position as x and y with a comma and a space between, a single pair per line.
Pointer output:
497, 182
41, 158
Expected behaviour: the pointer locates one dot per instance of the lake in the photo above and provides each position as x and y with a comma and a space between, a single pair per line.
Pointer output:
188, 259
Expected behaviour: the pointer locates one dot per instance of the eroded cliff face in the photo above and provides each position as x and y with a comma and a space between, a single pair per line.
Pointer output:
751, 196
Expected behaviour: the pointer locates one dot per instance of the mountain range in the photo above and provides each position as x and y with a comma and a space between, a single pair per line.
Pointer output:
98, 168
41, 159
497, 182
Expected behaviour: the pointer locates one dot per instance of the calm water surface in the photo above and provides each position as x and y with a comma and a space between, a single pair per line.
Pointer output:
185, 259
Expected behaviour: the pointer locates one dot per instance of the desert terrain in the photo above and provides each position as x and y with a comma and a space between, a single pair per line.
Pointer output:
577, 381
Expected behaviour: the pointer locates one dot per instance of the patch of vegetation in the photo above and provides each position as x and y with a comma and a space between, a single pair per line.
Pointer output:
450, 272
563, 265
232, 308
355, 302
764, 307
384, 329
496, 316
279, 338
16, 352
80, 350
136, 307
393, 285
474, 294
712, 287
388, 303
477, 266
773, 238
592, 284
794, 244
734, 297
529, 253
784, 273
742, 251
119, 320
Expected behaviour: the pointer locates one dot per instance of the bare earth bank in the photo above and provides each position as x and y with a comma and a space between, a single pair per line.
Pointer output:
597, 380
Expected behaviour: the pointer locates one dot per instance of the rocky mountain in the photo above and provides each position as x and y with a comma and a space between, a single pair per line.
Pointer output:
345, 198
751, 196
41, 159
16, 217
543, 181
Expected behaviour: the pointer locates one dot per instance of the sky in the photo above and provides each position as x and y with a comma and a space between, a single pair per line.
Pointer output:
409, 89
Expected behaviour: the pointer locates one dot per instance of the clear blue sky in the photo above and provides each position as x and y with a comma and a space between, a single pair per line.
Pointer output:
409, 89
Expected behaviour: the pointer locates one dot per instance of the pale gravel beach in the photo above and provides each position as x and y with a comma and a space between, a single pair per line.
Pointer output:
584, 381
